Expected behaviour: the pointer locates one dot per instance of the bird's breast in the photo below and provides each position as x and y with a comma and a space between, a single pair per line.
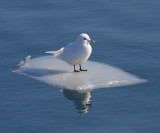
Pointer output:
76, 54
82, 54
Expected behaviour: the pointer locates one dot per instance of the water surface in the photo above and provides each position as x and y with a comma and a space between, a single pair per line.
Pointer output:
127, 36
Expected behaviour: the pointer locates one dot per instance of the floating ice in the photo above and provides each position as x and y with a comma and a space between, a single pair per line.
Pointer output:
76, 86
58, 73
22, 63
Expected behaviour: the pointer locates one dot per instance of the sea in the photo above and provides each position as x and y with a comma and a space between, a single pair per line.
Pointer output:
127, 35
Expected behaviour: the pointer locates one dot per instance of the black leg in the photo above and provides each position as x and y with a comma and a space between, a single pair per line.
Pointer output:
75, 69
81, 68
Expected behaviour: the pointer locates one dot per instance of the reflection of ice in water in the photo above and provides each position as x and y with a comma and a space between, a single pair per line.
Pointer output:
60, 74
80, 99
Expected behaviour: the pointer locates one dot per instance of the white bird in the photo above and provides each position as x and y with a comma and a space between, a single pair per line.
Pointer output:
75, 53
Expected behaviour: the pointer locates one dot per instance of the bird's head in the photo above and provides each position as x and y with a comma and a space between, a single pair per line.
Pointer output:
83, 39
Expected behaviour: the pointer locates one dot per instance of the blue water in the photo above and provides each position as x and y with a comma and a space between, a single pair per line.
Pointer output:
127, 36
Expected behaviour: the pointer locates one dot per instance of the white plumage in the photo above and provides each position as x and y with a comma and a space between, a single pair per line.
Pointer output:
75, 53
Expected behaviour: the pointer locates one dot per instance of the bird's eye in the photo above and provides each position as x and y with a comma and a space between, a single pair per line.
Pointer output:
84, 38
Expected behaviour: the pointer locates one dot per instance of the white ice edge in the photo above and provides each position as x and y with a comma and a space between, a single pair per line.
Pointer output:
59, 74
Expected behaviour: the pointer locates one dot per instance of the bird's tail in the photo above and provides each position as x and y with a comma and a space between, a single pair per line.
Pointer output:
55, 52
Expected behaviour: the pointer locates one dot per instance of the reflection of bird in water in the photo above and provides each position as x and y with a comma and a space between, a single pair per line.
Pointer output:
75, 53
81, 100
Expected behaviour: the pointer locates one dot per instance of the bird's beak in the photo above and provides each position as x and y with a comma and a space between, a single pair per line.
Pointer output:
91, 40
